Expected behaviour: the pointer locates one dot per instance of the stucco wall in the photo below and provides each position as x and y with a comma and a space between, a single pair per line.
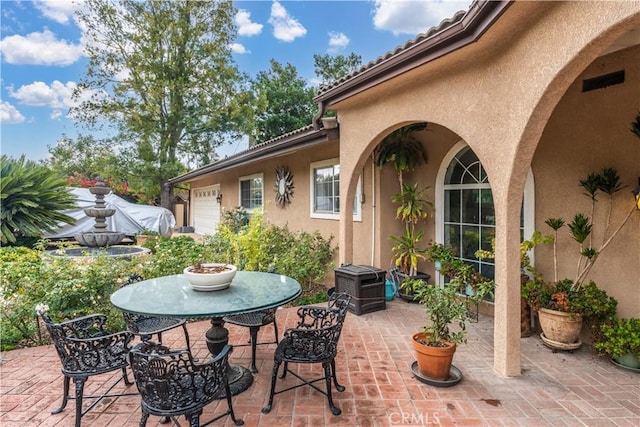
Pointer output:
586, 132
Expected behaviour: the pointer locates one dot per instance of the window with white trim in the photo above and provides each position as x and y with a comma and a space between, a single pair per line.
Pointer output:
251, 191
467, 218
325, 191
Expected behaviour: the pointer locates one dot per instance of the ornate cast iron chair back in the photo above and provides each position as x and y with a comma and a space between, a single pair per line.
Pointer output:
172, 384
313, 340
86, 348
147, 326
254, 321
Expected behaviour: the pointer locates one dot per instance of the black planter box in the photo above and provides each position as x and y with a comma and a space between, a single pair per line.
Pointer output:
365, 284
401, 277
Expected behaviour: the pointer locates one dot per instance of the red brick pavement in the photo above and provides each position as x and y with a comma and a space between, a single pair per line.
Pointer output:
556, 389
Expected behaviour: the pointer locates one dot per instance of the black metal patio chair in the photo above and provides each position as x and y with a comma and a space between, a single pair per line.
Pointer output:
86, 349
254, 321
147, 326
172, 384
313, 340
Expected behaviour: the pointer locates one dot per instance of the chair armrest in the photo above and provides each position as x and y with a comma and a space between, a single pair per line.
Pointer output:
309, 344
89, 326
97, 354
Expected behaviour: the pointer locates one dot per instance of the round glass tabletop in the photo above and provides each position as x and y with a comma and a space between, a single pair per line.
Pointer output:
172, 296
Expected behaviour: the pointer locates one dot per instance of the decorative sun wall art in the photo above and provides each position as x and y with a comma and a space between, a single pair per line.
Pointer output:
284, 186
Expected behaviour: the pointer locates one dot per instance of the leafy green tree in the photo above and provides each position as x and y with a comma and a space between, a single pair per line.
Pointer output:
32, 198
284, 102
331, 68
162, 74
83, 156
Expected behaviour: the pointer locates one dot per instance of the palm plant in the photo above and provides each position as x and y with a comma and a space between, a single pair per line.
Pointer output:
33, 198
403, 149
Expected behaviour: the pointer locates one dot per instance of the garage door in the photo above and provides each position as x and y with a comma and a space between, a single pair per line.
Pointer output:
206, 209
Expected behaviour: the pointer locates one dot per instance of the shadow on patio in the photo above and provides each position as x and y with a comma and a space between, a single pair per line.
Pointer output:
373, 363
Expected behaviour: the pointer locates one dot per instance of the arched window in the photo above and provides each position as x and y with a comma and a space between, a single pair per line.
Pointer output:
465, 217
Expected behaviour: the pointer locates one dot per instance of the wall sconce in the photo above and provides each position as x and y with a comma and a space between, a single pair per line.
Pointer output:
219, 197
636, 194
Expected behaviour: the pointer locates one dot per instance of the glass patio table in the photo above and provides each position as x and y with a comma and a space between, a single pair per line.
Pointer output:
172, 296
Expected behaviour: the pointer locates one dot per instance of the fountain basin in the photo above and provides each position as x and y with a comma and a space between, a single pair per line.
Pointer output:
99, 212
99, 239
118, 251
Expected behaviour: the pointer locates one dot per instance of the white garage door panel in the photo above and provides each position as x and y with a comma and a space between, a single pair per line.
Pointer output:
206, 210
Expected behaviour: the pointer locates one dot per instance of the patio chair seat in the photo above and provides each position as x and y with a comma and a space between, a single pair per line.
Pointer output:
313, 340
147, 326
86, 348
254, 321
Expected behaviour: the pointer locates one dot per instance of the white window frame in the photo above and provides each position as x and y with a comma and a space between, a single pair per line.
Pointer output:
248, 178
528, 201
357, 203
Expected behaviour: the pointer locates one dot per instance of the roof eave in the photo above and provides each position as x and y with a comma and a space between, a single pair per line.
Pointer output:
279, 147
480, 16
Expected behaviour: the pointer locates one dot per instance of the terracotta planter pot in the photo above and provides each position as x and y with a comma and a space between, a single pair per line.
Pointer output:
559, 326
433, 362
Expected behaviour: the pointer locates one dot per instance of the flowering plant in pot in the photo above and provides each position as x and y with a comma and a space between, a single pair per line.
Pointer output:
565, 301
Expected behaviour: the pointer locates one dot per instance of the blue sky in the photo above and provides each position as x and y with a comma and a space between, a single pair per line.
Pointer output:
42, 57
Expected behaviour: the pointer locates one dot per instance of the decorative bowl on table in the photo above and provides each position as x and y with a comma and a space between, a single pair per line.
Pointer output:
210, 277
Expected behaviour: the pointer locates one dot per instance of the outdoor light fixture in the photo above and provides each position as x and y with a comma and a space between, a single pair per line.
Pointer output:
636, 194
219, 198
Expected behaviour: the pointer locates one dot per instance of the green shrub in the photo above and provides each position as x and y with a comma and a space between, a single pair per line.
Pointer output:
74, 288
33, 198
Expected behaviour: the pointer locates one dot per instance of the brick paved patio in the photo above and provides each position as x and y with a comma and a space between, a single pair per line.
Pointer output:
556, 389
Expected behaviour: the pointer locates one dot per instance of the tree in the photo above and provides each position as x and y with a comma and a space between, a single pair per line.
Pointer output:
32, 197
285, 102
332, 68
162, 74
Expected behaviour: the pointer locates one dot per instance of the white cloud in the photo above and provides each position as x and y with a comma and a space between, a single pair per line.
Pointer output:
59, 11
285, 27
10, 114
337, 41
55, 114
39, 94
245, 26
413, 17
239, 48
39, 49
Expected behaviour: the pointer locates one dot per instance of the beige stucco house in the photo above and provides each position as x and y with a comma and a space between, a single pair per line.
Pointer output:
522, 100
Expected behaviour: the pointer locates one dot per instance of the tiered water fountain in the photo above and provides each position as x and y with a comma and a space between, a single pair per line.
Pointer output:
99, 241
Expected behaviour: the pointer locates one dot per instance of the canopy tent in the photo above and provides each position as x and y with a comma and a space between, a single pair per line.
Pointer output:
129, 218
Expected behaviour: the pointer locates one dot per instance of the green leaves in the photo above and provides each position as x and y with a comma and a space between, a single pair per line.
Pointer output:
403, 149
162, 74
286, 102
32, 198
444, 308
619, 337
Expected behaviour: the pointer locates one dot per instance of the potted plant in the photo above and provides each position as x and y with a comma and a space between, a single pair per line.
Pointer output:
436, 344
527, 271
210, 276
413, 207
620, 339
406, 152
562, 305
